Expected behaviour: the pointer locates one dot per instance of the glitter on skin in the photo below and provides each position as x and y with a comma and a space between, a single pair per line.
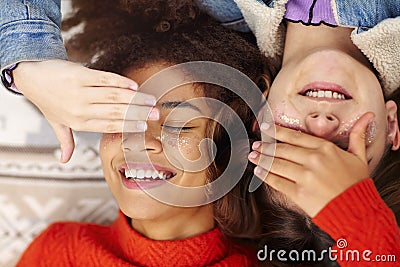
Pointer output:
344, 131
290, 120
182, 143
110, 138
293, 123
347, 126
169, 139
370, 132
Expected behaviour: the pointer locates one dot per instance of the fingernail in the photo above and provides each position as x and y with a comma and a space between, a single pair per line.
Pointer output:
154, 114
62, 157
150, 101
141, 125
265, 126
257, 170
256, 145
133, 86
253, 155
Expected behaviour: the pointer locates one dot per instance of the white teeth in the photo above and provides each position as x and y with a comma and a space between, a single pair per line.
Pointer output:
142, 174
130, 173
328, 94
325, 94
148, 174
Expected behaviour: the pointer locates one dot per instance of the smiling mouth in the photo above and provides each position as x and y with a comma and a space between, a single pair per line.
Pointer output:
327, 94
146, 175
325, 91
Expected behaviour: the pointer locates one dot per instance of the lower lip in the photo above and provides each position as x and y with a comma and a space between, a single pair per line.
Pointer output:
148, 184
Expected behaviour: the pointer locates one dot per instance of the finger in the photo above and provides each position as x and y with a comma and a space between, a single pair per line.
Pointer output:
283, 151
277, 182
281, 167
109, 95
122, 112
292, 137
66, 139
113, 126
108, 79
357, 144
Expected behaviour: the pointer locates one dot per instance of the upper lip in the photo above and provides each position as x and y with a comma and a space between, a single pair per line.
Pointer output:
144, 166
326, 86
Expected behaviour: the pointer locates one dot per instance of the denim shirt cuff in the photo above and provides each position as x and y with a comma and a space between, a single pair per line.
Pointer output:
30, 40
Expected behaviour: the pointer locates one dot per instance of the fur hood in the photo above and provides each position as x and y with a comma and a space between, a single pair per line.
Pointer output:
380, 44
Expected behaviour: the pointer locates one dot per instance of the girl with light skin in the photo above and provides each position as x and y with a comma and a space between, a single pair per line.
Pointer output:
334, 126
315, 63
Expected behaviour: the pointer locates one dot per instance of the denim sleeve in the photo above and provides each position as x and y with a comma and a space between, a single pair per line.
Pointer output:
366, 14
225, 11
30, 31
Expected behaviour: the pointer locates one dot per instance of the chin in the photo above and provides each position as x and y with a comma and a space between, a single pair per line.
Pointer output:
138, 205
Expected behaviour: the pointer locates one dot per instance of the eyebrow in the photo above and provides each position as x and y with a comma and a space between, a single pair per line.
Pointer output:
179, 104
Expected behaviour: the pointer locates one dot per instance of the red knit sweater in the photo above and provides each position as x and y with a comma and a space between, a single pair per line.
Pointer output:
359, 220
359, 216
89, 245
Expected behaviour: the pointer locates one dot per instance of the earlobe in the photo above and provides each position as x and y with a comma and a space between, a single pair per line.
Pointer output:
393, 133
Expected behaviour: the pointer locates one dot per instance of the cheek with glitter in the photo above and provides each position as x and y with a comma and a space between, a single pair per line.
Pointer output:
107, 139
370, 132
189, 147
287, 121
346, 126
169, 140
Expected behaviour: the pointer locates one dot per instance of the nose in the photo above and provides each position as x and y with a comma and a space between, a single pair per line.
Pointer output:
322, 124
142, 142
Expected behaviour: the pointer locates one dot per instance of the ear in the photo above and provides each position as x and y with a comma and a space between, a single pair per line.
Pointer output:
393, 133
264, 83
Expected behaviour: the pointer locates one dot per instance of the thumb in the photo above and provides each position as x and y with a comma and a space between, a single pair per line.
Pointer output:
357, 136
66, 139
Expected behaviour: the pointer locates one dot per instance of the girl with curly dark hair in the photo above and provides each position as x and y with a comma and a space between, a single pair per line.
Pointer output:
138, 39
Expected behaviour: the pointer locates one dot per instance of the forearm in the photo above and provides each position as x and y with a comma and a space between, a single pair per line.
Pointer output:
30, 31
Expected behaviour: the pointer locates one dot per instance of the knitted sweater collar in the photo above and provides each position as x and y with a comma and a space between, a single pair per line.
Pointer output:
207, 249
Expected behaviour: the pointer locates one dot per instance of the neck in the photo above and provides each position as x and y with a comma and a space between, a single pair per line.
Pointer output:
302, 40
181, 225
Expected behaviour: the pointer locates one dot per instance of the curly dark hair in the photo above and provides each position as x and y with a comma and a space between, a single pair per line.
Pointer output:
127, 35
